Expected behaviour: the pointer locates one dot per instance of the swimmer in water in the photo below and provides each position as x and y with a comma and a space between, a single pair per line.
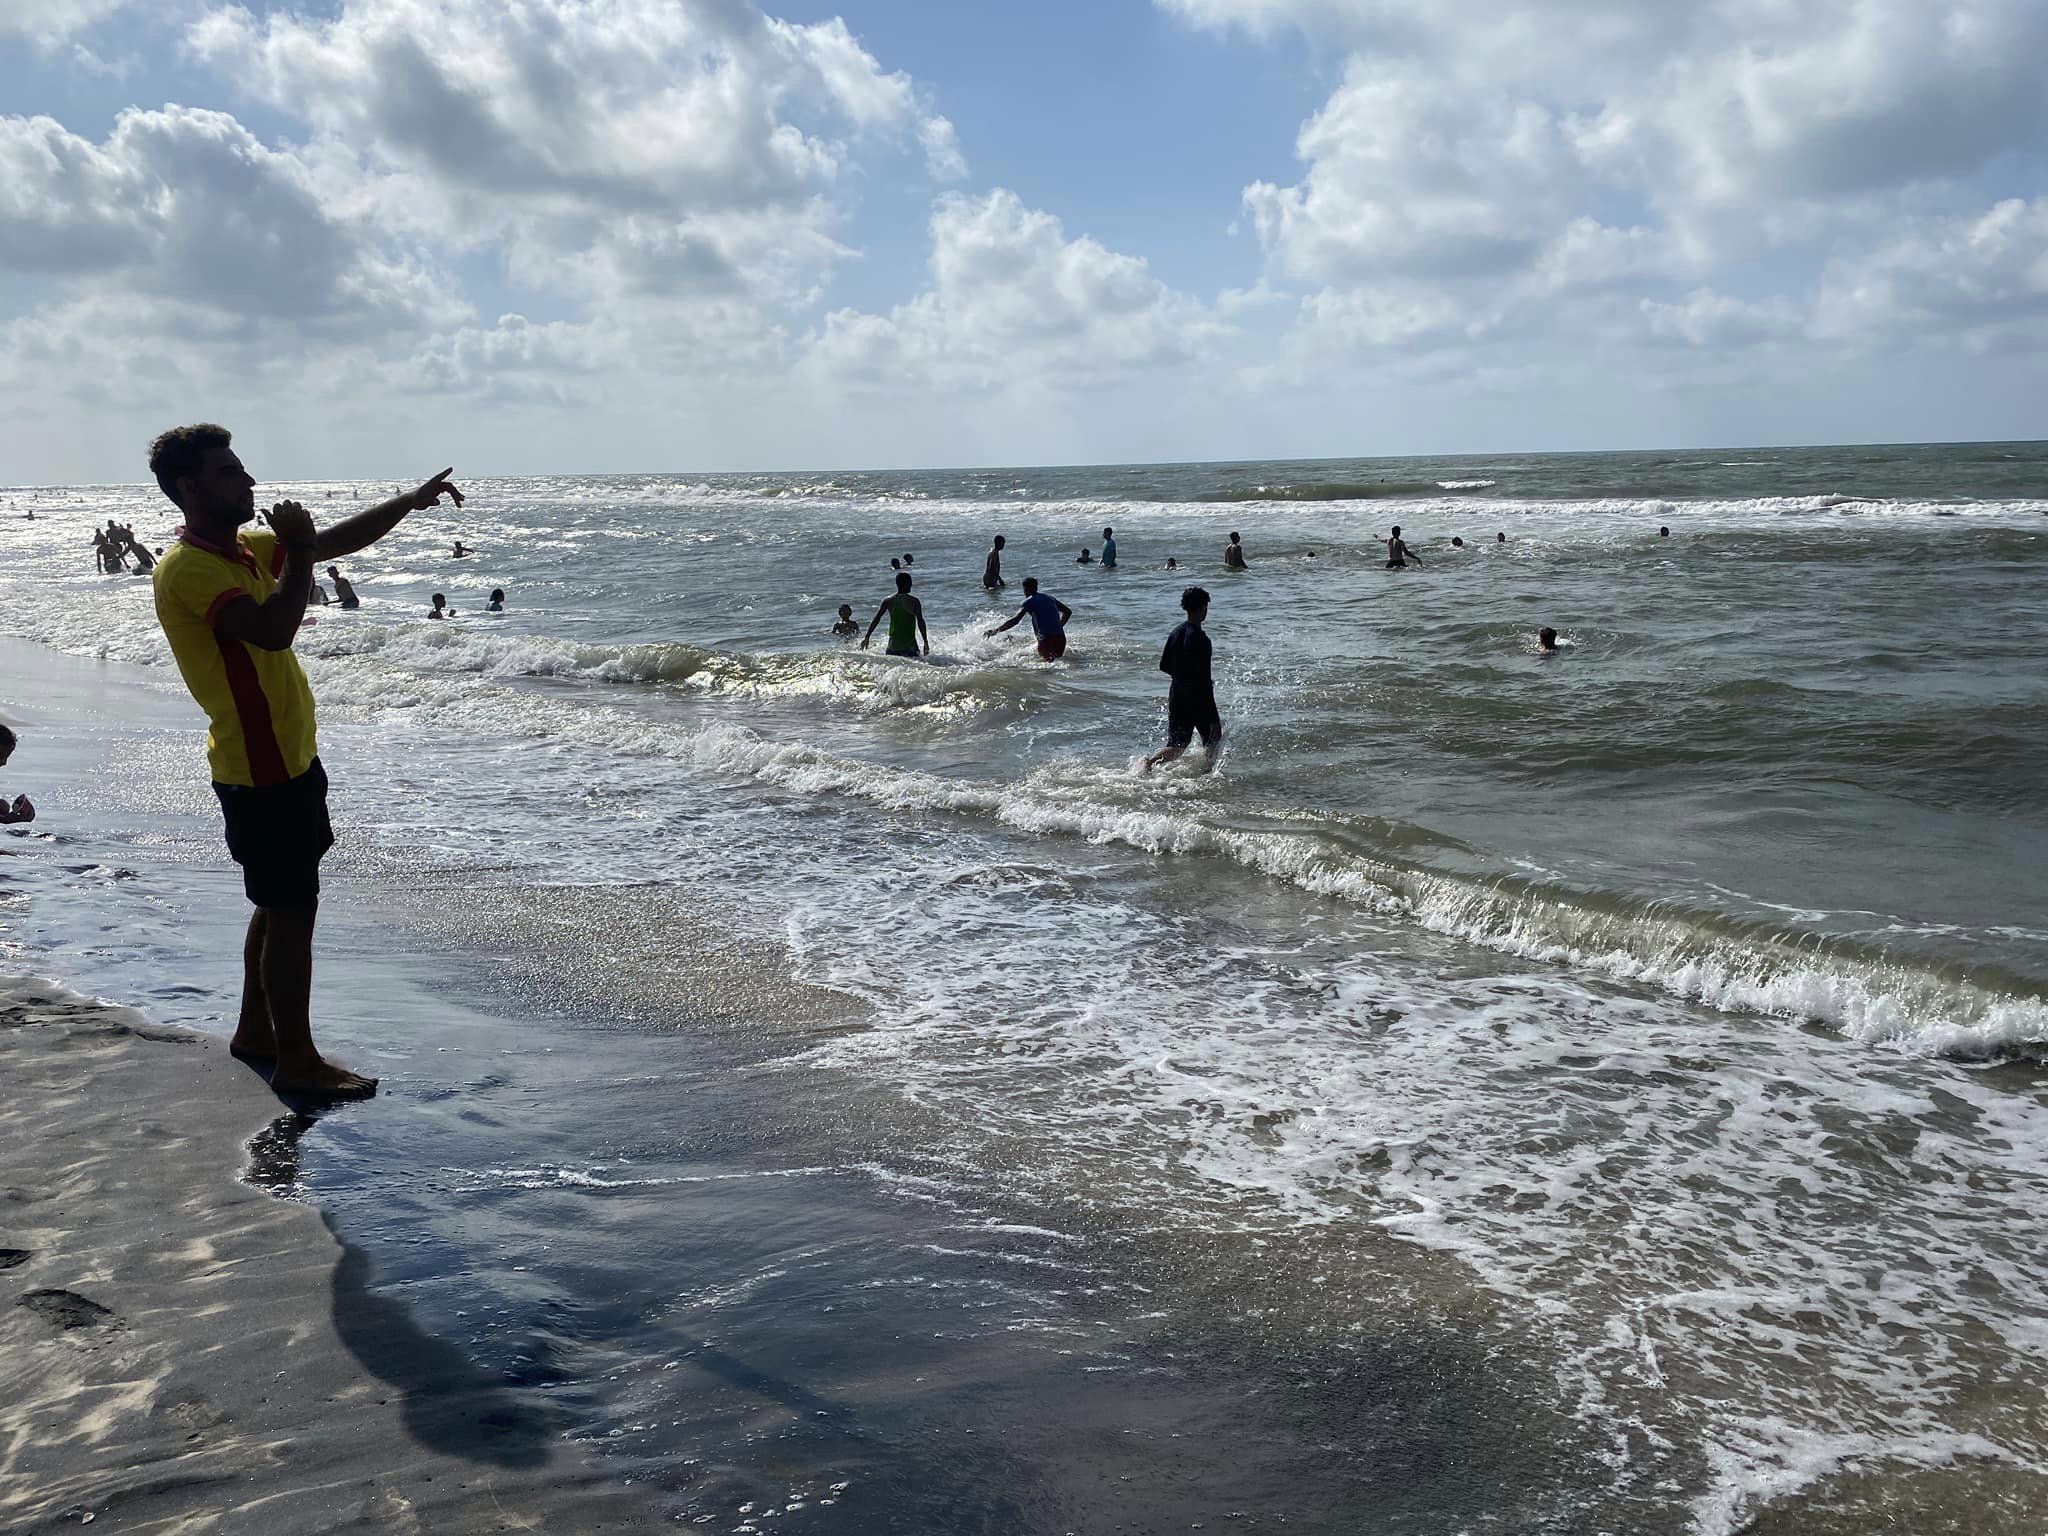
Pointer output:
1084, 558
1663, 533
1546, 639
906, 621
1500, 538
1233, 554
497, 602
441, 610
1191, 696
848, 626
1398, 552
992, 570
1049, 620
1457, 543
1172, 564
460, 553
22, 808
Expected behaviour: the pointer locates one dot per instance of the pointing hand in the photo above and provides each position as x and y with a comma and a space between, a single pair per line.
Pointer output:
430, 494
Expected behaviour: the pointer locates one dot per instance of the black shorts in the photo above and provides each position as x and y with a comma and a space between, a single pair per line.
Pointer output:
1183, 720
277, 834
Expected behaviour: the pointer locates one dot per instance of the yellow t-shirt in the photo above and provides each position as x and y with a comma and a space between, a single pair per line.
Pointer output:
258, 704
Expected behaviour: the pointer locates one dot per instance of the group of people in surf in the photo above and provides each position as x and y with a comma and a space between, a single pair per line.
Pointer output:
115, 545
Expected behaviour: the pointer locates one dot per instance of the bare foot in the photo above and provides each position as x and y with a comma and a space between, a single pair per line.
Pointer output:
320, 1078
253, 1043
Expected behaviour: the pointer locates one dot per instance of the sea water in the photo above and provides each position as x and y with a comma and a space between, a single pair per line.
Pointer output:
1596, 1090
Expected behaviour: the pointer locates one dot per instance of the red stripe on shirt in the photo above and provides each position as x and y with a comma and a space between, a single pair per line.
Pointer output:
252, 707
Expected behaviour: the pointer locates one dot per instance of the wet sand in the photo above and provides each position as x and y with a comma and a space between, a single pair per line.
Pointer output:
185, 1351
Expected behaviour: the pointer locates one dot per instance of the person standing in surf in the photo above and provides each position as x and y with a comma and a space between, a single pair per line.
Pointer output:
992, 569
344, 593
1398, 552
906, 622
1109, 549
1191, 696
1049, 620
1233, 554
231, 601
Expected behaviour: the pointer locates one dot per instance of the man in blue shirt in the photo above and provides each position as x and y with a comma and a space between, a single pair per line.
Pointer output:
1191, 696
1049, 619
1109, 549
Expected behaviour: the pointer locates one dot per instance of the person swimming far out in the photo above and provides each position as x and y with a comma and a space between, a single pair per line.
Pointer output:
1172, 564
1663, 533
1546, 639
1049, 620
1084, 558
848, 626
497, 602
1457, 543
1398, 552
992, 568
440, 610
1500, 538
460, 553
1233, 554
1109, 549
906, 622
1191, 695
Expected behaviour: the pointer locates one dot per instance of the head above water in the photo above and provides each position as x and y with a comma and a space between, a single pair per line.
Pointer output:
1397, 530
1030, 586
1234, 539
999, 541
895, 564
497, 594
910, 559
1457, 543
1663, 533
903, 581
197, 468
1109, 533
1195, 602
1500, 538
440, 601
1547, 638
846, 610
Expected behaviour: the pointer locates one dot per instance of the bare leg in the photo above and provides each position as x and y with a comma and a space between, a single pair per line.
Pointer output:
287, 966
1163, 755
254, 1038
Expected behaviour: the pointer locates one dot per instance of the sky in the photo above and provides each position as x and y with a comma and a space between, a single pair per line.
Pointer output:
578, 236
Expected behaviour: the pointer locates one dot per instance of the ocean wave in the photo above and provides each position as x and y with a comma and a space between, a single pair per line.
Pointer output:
1707, 957
1338, 490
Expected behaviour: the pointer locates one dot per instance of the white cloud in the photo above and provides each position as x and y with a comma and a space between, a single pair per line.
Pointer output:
1478, 170
48, 22
1952, 281
189, 206
641, 146
1013, 302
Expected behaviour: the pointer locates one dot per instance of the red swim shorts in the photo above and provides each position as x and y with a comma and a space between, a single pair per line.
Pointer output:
1051, 647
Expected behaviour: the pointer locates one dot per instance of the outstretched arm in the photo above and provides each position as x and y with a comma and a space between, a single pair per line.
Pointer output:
864, 639
356, 533
1010, 624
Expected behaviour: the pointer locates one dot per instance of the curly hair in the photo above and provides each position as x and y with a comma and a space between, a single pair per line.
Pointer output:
178, 453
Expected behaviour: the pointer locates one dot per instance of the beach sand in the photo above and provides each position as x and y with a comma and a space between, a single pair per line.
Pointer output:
186, 1352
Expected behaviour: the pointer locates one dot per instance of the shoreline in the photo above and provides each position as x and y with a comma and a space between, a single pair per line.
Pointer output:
188, 1350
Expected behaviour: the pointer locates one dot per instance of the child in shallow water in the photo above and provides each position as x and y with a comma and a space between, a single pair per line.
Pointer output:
848, 626
21, 809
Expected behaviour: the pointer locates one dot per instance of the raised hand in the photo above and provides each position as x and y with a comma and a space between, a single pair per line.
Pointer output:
292, 524
430, 494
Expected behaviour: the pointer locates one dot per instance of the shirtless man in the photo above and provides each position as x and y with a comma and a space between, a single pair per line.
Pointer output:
1233, 554
906, 621
1398, 552
344, 594
992, 571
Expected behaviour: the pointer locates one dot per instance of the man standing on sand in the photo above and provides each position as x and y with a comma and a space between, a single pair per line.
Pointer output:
906, 621
1049, 620
231, 602
1191, 696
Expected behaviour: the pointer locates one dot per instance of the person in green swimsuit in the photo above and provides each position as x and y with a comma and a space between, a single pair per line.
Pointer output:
906, 621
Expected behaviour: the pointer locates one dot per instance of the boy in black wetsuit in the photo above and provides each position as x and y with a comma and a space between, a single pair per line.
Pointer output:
1191, 696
